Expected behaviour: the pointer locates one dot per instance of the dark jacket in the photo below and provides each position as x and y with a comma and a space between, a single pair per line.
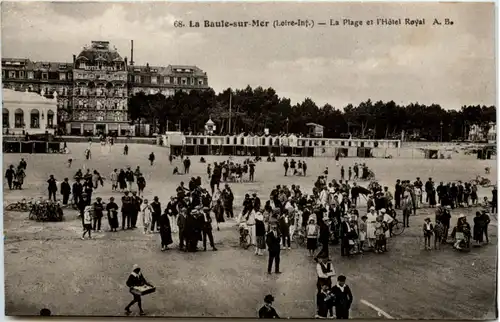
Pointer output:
268, 312
156, 208
343, 300
136, 279
273, 242
52, 184
323, 303
65, 188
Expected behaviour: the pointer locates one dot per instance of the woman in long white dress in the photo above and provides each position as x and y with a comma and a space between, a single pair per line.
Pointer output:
370, 227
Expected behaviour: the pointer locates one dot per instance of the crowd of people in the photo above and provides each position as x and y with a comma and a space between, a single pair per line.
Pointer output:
329, 215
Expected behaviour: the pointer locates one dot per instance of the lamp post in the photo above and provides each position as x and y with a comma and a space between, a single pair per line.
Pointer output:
441, 126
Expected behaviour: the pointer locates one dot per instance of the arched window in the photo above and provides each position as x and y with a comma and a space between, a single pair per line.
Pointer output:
50, 118
18, 118
35, 119
5, 117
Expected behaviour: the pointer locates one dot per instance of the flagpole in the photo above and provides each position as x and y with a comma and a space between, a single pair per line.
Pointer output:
230, 96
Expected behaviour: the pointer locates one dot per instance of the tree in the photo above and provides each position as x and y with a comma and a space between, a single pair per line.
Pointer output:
254, 109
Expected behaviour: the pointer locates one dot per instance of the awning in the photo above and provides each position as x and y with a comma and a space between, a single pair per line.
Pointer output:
112, 127
88, 127
75, 125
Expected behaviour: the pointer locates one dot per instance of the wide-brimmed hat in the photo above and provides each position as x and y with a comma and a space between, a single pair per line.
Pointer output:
461, 216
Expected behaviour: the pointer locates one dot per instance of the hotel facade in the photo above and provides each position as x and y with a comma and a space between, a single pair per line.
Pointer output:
92, 91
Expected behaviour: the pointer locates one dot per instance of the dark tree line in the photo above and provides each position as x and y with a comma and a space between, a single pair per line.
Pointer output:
253, 110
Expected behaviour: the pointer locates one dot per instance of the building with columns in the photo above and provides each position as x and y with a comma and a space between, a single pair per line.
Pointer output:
92, 91
28, 112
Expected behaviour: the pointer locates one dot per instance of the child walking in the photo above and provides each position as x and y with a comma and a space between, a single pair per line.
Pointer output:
380, 235
428, 231
87, 222
312, 237
438, 234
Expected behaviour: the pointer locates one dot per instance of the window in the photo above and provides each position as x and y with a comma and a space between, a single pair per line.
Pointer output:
3, 73
184, 81
137, 79
45, 76
21, 74
192, 81
35, 119
176, 80
19, 118
5, 117
62, 76
166, 80
31, 75
99, 118
50, 118
154, 80
12, 74
342, 143
200, 81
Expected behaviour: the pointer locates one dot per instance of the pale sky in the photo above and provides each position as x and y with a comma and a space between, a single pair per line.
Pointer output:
448, 65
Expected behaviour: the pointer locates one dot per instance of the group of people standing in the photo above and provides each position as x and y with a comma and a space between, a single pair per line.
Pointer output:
15, 176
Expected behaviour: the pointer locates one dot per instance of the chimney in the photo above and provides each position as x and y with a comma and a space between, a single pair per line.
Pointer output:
74, 59
125, 61
131, 53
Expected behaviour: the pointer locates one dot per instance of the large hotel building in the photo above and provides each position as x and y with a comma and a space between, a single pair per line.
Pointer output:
92, 91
